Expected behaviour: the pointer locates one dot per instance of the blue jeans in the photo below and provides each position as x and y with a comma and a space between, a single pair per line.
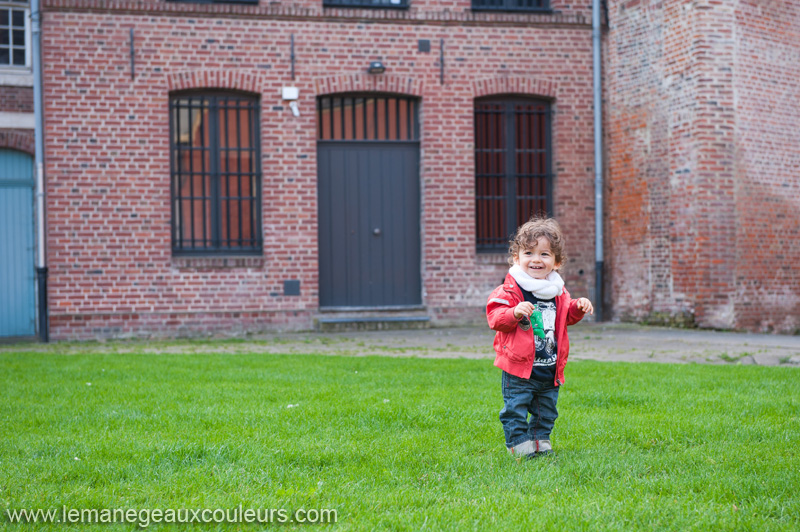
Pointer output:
527, 396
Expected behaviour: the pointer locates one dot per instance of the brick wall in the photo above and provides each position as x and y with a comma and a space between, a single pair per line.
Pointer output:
112, 272
702, 134
766, 73
16, 100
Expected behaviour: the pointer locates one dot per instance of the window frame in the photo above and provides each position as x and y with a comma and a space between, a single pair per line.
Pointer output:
367, 4
482, 5
215, 176
11, 68
244, 2
510, 174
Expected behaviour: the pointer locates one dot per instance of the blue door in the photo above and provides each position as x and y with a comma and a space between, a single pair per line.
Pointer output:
17, 274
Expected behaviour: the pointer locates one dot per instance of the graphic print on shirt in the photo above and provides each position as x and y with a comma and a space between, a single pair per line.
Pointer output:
546, 348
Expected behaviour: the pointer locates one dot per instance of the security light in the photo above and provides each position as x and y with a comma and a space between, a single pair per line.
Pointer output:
376, 67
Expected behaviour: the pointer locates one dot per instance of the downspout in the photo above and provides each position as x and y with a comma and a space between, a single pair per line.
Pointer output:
41, 252
598, 159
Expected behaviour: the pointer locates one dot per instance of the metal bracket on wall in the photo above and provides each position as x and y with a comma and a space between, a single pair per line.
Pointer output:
292, 56
441, 61
133, 64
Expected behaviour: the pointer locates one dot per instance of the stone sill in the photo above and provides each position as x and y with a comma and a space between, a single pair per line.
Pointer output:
181, 263
16, 77
492, 258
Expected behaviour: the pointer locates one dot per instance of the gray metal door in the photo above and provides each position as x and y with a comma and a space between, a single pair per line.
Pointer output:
369, 229
17, 274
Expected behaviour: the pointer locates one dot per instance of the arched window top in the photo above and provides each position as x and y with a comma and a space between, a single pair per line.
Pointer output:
212, 91
367, 117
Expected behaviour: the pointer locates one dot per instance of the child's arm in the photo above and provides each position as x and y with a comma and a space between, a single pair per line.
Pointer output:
577, 309
500, 313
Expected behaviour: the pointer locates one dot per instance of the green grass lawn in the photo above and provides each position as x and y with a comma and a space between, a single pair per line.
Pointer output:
397, 443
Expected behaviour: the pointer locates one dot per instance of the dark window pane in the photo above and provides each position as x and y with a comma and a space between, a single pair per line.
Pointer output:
19, 57
4, 17
18, 18
369, 111
325, 126
217, 1
511, 168
5, 37
336, 111
392, 4
391, 118
19, 38
359, 118
4, 57
347, 118
511, 5
381, 119
490, 159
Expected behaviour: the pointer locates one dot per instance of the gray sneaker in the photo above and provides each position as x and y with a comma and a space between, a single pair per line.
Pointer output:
543, 448
526, 449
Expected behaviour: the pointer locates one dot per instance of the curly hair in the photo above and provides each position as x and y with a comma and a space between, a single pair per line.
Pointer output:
529, 234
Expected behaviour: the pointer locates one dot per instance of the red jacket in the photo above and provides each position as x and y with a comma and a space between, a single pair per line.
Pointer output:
516, 348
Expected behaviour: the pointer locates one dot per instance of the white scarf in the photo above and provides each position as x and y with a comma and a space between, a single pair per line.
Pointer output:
547, 288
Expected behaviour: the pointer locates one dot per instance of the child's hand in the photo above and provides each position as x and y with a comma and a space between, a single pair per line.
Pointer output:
523, 309
585, 305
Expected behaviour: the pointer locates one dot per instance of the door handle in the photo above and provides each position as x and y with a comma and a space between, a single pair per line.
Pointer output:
376, 231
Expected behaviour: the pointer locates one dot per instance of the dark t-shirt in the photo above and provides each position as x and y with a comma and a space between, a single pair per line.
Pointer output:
544, 364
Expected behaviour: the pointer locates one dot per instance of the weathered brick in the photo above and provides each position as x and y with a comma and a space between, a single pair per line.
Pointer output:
702, 136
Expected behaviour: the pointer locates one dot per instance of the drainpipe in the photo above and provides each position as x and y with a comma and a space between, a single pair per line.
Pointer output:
41, 256
598, 160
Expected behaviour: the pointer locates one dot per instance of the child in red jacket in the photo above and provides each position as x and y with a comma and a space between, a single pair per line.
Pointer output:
530, 312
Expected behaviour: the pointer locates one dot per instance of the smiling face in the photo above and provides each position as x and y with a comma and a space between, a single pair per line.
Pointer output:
538, 261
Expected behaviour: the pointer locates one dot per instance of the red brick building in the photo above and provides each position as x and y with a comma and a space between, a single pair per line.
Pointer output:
703, 142
231, 167
137, 94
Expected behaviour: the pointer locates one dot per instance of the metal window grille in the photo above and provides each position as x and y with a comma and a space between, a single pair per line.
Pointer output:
371, 117
512, 168
511, 5
255, 2
14, 35
386, 4
216, 174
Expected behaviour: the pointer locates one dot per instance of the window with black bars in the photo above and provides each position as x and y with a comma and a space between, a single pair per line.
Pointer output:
216, 174
14, 34
367, 117
512, 168
385, 4
511, 5
254, 2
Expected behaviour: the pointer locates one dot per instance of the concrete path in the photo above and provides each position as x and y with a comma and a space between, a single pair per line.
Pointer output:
606, 342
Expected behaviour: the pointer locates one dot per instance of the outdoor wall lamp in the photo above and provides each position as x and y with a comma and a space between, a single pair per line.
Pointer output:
376, 67
291, 94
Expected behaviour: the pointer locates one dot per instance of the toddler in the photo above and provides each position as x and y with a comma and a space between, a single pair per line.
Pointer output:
530, 312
